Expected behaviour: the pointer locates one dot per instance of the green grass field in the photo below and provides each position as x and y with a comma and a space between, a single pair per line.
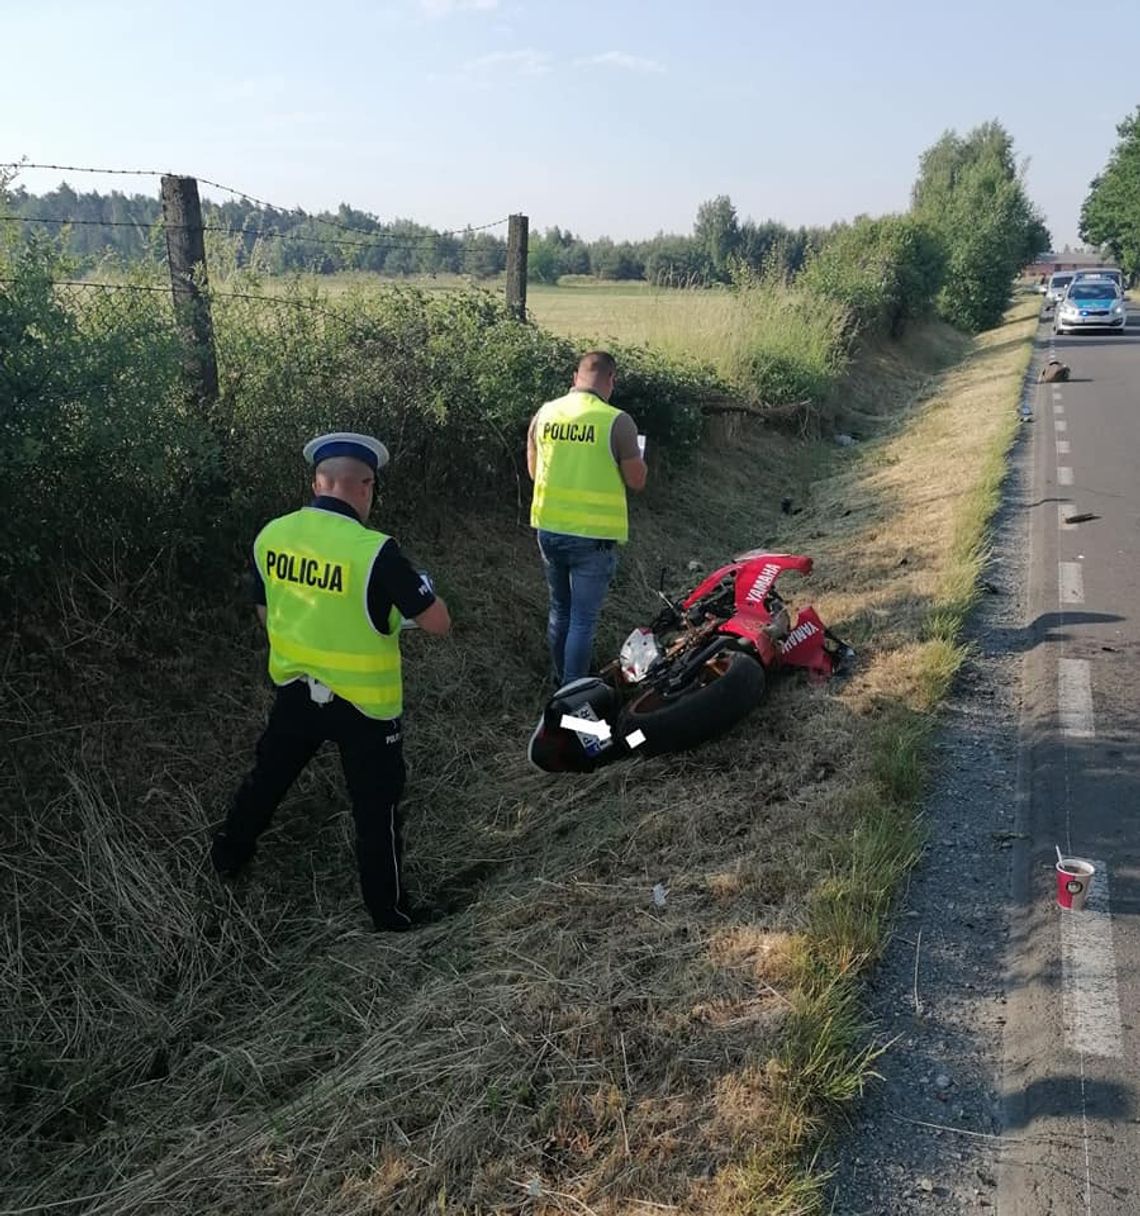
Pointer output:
774, 343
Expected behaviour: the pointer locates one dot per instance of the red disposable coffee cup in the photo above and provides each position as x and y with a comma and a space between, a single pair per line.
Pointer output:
1074, 878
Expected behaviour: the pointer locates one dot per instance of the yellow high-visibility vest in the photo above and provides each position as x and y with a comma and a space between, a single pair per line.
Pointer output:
315, 565
578, 488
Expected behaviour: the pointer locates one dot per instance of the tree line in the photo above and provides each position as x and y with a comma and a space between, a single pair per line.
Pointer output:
969, 231
276, 241
719, 242
270, 240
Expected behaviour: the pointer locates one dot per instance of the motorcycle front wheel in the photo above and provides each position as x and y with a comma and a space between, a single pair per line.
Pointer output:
726, 688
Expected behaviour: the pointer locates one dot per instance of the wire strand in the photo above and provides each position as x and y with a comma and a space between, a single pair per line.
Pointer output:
336, 223
381, 240
25, 164
214, 295
244, 194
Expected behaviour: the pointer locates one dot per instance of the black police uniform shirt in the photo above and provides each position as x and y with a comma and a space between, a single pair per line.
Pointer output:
393, 580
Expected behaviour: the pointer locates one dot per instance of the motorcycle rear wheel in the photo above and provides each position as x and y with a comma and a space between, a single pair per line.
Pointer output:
726, 689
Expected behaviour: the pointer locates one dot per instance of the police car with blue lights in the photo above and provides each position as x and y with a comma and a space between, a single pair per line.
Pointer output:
1091, 304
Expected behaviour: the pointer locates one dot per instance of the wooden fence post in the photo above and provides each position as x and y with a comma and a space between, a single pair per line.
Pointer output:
186, 254
517, 227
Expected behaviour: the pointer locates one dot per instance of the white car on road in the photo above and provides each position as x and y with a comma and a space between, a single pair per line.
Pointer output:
1058, 285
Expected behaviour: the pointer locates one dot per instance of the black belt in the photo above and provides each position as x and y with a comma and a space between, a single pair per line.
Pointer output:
605, 544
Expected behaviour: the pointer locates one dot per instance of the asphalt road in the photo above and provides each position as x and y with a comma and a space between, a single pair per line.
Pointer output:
1070, 1080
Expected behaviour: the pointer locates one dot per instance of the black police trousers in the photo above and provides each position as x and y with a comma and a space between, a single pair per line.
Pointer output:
372, 760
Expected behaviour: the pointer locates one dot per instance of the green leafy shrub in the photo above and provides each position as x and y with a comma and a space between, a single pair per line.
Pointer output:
885, 272
972, 194
99, 451
104, 455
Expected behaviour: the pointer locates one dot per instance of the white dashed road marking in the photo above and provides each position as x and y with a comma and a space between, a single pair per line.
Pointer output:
1070, 583
1090, 994
1063, 509
1062, 447
1060, 425
1064, 475
1074, 699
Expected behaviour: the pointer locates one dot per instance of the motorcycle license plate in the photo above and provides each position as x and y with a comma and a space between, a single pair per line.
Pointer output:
591, 744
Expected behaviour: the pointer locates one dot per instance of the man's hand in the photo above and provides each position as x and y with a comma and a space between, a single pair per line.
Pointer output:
531, 450
634, 472
435, 619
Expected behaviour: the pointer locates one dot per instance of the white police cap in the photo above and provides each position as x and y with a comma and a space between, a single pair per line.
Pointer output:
347, 443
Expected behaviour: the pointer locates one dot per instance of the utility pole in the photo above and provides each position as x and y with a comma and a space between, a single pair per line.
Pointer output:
186, 254
517, 227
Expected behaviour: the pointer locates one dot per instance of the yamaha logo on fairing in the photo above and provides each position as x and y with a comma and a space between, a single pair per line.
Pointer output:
801, 633
763, 583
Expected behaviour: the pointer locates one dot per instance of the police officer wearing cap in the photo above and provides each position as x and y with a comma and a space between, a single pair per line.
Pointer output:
333, 596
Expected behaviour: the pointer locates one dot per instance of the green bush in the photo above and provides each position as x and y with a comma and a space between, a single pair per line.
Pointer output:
97, 444
971, 193
885, 272
102, 455
450, 380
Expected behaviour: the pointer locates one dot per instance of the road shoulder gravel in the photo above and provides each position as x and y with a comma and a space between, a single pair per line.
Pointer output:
925, 1138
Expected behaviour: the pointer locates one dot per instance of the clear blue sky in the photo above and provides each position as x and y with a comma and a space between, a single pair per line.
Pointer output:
611, 118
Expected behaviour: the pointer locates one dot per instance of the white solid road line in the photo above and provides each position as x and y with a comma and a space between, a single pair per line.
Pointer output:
1062, 447
1090, 994
1070, 583
1064, 475
1060, 425
1074, 698
1063, 509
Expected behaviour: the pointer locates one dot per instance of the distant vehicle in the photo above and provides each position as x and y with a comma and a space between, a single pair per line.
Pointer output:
1058, 285
1091, 304
1101, 272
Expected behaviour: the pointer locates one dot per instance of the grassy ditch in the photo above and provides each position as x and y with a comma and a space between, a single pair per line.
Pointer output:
924, 501
558, 1043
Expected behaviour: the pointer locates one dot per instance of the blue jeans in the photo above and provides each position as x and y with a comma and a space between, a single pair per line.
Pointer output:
579, 572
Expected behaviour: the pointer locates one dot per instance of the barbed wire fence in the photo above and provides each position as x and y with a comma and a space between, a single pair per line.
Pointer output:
182, 224
245, 196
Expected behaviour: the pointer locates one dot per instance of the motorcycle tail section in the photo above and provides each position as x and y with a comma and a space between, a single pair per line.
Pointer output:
555, 748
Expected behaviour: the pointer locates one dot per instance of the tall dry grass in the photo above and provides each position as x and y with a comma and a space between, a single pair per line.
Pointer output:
774, 342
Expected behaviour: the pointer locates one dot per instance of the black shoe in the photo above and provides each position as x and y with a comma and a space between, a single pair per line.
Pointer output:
229, 858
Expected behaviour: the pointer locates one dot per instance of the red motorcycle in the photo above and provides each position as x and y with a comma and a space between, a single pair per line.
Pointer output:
695, 672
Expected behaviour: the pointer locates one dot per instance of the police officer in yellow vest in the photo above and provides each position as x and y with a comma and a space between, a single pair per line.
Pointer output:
582, 454
333, 595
